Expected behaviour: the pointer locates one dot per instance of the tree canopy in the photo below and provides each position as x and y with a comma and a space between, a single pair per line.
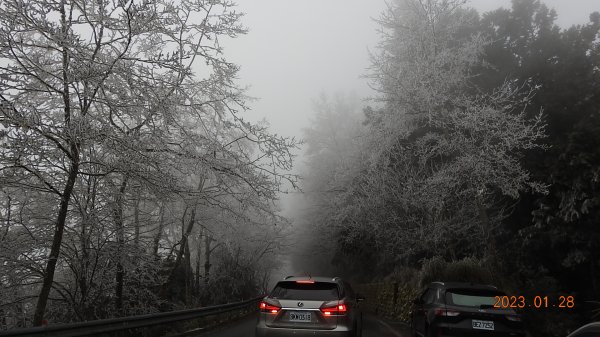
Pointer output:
480, 144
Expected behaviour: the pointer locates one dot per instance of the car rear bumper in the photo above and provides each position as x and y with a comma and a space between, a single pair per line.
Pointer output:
463, 328
264, 331
458, 332
478, 334
275, 332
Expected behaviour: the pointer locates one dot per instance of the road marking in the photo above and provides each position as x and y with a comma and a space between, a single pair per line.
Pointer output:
387, 326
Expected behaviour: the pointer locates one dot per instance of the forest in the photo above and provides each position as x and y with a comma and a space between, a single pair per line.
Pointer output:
477, 160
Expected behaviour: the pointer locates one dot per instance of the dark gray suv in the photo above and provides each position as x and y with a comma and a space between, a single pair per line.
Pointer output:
463, 310
310, 306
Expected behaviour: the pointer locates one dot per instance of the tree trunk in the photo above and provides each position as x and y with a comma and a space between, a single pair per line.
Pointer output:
82, 263
207, 251
84, 245
136, 220
198, 258
188, 275
184, 241
158, 235
185, 234
120, 232
8, 216
63, 209
57, 239
487, 228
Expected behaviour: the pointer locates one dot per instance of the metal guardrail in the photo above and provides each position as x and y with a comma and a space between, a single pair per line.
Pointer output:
126, 323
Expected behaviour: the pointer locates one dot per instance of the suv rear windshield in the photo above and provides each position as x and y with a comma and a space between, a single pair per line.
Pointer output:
472, 297
318, 291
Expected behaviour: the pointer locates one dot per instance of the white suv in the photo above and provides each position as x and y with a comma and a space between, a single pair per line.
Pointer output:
310, 306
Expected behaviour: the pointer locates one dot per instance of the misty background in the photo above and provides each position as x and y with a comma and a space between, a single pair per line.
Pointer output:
296, 51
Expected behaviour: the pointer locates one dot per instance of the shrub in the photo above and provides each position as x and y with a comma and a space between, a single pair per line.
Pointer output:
466, 270
433, 269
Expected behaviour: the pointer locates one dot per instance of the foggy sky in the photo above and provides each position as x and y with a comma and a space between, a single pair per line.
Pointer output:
297, 49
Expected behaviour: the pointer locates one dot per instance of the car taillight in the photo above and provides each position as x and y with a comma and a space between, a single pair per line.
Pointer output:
334, 308
513, 318
445, 312
266, 307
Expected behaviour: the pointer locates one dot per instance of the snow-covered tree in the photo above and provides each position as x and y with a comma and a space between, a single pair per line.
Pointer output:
109, 107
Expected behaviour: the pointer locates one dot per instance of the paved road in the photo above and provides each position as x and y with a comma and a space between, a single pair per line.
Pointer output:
373, 327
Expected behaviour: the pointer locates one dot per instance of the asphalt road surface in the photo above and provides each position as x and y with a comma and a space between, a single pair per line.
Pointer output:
373, 327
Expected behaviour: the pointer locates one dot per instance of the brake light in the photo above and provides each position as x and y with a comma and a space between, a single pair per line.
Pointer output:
447, 313
266, 307
305, 281
513, 318
334, 308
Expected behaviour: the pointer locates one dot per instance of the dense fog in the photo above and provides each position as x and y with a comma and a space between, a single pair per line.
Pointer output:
161, 155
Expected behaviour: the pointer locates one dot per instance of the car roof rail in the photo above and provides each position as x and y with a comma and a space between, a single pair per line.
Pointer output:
438, 282
336, 278
287, 277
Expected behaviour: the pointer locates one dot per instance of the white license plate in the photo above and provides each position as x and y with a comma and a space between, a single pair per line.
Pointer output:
483, 325
299, 316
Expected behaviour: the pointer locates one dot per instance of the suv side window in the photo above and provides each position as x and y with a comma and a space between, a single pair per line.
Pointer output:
429, 296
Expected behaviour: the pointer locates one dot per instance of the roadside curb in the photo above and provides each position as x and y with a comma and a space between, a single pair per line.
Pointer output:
397, 328
390, 328
214, 328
